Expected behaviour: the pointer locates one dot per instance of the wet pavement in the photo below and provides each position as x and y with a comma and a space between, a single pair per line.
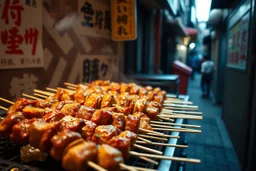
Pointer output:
213, 145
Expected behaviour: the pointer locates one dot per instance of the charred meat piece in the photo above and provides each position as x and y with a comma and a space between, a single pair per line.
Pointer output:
85, 112
30, 112
155, 104
152, 112
19, 105
118, 120
134, 89
58, 105
53, 116
41, 133
140, 106
93, 101
124, 100
30, 154
101, 117
144, 125
103, 133
58, 94
163, 93
151, 95
109, 157
67, 95
77, 156
159, 99
131, 136
80, 96
124, 88
157, 89
51, 100
88, 130
20, 131
70, 109
8, 122
105, 88
110, 109
142, 91
72, 123
122, 109
122, 144
115, 86
107, 100
132, 123
60, 141
42, 103
149, 88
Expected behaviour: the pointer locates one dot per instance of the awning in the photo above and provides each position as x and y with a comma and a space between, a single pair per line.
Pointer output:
177, 27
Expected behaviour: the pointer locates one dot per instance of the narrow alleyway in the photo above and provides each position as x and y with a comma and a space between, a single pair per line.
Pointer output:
213, 145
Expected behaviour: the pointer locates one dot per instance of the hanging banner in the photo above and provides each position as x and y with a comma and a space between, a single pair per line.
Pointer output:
96, 17
21, 34
238, 43
124, 21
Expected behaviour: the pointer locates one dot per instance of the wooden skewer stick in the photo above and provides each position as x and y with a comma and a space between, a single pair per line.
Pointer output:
165, 126
179, 114
149, 131
5, 100
178, 130
166, 111
143, 139
71, 88
175, 124
196, 161
165, 119
184, 117
177, 102
149, 160
43, 92
171, 96
40, 95
51, 89
178, 105
148, 149
124, 166
167, 136
179, 108
163, 144
95, 166
4, 108
152, 137
28, 96
70, 84
65, 89
142, 169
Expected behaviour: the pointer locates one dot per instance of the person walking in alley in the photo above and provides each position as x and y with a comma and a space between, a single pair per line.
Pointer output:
207, 70
193, 64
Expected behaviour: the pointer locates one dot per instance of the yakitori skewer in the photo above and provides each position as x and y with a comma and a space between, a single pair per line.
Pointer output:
175, 124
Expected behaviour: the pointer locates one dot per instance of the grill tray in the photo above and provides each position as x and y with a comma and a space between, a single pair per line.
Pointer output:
10, 158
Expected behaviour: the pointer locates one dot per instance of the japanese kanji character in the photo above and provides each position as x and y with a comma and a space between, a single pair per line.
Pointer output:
31, 37
95, 70
119, 10
99, 19
38, 60
104, 69
15, 10
28, 2
26, 84
88, 13
3, 62
12, 39
86, 70
34, 3
122, 19
121, 1
22, 61
107, 22
9, 62
121, 31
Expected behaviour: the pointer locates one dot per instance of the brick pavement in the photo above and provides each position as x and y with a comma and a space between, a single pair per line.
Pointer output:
213, 145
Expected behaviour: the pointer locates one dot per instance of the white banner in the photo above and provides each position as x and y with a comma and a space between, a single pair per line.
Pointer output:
21, 34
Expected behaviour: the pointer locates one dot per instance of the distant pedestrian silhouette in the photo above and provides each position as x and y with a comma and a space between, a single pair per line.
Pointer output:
207, 70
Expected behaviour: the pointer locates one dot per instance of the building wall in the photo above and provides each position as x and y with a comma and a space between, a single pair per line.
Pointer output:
64, 51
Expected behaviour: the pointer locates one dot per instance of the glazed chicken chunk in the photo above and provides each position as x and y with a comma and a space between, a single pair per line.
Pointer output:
103, 133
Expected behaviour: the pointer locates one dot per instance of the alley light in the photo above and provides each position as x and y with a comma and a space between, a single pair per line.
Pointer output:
192, 46
182, 47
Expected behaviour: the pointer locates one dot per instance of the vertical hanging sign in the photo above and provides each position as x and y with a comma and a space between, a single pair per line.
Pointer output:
21, 34
124, 20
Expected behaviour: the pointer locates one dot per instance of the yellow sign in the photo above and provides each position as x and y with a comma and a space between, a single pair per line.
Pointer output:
123, 13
